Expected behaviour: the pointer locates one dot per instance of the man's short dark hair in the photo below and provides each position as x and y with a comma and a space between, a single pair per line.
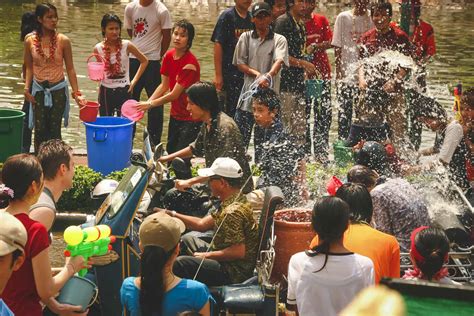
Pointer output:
384, 7
189, 27
359, 200
363, 175
268, 98
15, 255
468, 97
52, 154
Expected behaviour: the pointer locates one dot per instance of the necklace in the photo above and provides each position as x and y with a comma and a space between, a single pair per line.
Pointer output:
115, 68
37, 42
356, 35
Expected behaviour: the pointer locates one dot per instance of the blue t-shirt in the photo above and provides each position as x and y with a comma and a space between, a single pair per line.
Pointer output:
227, 31
187, 295
4, 310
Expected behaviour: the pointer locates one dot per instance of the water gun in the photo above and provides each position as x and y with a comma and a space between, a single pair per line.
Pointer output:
457, 102
87, 242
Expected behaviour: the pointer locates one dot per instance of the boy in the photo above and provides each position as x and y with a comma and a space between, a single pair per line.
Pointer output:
232, 23
259, 54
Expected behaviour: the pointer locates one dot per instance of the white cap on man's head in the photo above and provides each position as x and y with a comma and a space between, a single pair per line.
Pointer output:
224, 167
12, 234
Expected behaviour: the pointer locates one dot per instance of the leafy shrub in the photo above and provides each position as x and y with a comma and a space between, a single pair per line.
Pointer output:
117, 175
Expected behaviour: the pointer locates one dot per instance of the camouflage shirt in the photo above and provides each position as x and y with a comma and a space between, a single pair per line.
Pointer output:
239, 227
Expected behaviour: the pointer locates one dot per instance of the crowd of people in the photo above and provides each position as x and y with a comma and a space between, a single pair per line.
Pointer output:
264, 55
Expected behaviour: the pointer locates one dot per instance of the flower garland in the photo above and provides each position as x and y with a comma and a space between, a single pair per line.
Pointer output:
112, 69
52, 45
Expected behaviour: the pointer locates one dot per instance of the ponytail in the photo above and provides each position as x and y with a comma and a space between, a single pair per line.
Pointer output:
429, 248
152, 289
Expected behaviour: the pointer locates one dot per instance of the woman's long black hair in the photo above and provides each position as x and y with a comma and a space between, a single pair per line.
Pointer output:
28, 24
40, 11
107, 18
330, 220
204, 94
433, 244
152, 289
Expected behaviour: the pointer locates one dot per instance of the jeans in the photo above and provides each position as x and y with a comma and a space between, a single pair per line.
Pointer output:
111, 100
322, 112
232, 86
346, 93
245, 121
211, 271
189, 202
150, 80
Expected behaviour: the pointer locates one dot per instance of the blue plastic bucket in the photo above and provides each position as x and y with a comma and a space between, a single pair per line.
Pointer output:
314, 89
109, 143
78, 291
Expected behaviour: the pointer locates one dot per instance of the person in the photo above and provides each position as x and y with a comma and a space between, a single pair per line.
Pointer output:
398, 206
33, 282
148, 23
219, 136
45, 53
376, 301
231, 256
318, 40
429, 253
116, 87
361, 238
12, 248
157, 290
58, 167
28, 22
348, 28
382, 84
276, 153
329, 265
292, 88
251, 56
278, 8
180, 69
232, 23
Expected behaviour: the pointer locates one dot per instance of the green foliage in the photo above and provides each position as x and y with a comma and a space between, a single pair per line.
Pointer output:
256, 172
317, 176
117, 175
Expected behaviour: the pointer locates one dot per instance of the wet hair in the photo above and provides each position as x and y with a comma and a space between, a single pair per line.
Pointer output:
18, 173
363, 175
329, 220
430, 109
268, 98
374, 156
468, 97
52, 154
108, 18
189, 27
28, 24
204, 95
433, 245
382, 6
152, 289
17, 253
40, 11
359, 200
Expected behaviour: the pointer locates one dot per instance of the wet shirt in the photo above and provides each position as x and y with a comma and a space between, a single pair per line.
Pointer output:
292, 78
373, 42
424, 40
227, 31
319, 31
398, 209
239, 227
223, 139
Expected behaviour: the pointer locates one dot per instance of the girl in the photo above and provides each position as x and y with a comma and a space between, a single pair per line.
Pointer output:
116, 88
428, 253
329, 265
179, 70
45, 54
22, 177
158, 291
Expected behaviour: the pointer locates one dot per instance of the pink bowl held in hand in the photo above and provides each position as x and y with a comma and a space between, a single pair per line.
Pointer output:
130, 111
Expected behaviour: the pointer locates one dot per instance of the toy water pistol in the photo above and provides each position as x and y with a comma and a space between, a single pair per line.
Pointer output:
87, 242
457, 102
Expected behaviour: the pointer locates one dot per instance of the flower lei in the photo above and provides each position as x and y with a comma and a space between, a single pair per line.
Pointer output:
416, 273
112, 69
7, 190
52, 45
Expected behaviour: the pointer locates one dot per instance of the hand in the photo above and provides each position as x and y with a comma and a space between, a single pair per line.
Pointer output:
164, 159
389, 86
77, 263
132, 86
69, 310
158, 210
218, 82
29, 97
362, 84
264, 81
310, 69
182, 185
80, 100
203, 255
143, 106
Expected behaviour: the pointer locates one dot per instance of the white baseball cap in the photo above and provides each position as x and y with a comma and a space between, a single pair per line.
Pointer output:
12, 234
224, 167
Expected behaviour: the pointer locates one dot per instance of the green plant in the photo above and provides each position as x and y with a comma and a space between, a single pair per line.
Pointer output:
117, 175
317, 176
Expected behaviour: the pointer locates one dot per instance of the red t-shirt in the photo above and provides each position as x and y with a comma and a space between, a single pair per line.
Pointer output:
173, 69
20, 293
395, 39
424, 40
318, 31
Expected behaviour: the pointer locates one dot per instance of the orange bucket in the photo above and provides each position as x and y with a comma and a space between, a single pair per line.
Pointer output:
88, 111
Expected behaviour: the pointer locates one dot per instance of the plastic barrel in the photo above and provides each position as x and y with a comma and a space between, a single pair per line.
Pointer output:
78, 291
109, 143
11, 132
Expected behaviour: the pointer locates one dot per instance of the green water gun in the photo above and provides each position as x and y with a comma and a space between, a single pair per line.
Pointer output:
87, 242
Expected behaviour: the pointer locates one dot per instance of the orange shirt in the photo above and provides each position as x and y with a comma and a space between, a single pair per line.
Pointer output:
381, 248
44, 68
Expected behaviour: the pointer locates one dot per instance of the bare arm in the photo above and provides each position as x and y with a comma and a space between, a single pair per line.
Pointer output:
165, 42
28, 64
195, 223
234, 252
71, 72
129, 32
218, 80
338, 56
132, 49
248, 70
44, 215
206, 310
183, 153
308, 67
276, 67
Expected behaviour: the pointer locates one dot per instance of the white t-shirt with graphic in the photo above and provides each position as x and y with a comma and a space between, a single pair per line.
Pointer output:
147, 24
120, 79
348, 29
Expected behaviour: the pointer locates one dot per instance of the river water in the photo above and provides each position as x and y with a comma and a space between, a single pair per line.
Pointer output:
80, 21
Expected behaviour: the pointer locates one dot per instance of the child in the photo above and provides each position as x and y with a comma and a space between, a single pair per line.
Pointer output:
157, 291
116, 87
428, 253
323, 280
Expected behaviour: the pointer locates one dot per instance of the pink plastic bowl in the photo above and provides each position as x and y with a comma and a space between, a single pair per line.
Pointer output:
130, 111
